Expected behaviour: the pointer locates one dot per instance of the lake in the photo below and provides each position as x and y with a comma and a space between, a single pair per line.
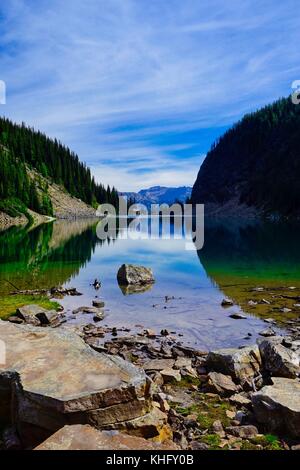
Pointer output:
245, 261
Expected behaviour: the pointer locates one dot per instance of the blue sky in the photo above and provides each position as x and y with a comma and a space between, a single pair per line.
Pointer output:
140, 89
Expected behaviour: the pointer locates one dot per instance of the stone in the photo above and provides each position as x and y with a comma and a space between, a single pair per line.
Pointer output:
244, 432
84, 437
163, 404
267, 332
269, 320
60, 380
189, 372
98, 303
278, 406
48, 317
182, 362
153, 425
239, 400
28, 314
295, 447
185, 351
279, 360
196, 445
150, 333
158, 364
170, 375
15, 319
164, 333
91, 310
221, 384
98, 317
238, 316
240, 364
230, 414
227, 303
218, 428
286, 310
130, 274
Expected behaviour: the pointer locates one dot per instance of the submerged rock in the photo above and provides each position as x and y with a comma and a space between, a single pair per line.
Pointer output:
98, 303
240, 364
79, 437
60, 380
279, 360
130, 274
278, 406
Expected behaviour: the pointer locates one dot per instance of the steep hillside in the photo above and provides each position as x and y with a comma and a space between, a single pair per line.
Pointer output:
20, 145
41, 175
255, 166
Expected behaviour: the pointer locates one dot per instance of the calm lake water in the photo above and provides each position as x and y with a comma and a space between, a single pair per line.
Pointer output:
236, 258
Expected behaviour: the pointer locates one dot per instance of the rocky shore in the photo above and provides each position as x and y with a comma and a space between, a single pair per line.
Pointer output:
95, 387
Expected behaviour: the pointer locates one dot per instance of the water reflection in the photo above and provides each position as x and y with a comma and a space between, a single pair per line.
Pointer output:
235, 258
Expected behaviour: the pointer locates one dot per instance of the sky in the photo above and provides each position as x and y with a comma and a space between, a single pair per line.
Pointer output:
141, 89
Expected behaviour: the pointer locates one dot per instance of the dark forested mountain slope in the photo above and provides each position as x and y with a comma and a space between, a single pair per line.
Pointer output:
22, 147
256, 163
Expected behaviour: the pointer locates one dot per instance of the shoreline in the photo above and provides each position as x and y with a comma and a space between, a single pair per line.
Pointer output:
205, 399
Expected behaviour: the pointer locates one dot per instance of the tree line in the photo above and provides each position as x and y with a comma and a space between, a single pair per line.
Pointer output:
21, 145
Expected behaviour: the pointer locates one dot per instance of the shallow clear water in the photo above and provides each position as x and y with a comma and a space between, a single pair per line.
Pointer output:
236, 257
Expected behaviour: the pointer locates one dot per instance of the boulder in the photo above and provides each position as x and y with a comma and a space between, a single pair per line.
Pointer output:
129, 274
278, 406
221, 384
279, 360
60, 380
28, 313
240, 364
84, 437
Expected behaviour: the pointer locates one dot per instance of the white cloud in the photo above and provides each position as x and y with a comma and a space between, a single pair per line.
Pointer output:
111, 77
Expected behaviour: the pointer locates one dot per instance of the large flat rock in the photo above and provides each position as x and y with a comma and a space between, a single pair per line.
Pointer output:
63, 381
80, 437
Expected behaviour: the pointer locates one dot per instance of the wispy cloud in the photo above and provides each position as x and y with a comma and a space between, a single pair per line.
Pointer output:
141, 89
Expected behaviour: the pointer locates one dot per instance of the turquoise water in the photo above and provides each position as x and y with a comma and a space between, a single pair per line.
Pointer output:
234, 259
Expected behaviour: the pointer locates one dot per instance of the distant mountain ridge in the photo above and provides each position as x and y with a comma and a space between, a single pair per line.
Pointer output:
159, 195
